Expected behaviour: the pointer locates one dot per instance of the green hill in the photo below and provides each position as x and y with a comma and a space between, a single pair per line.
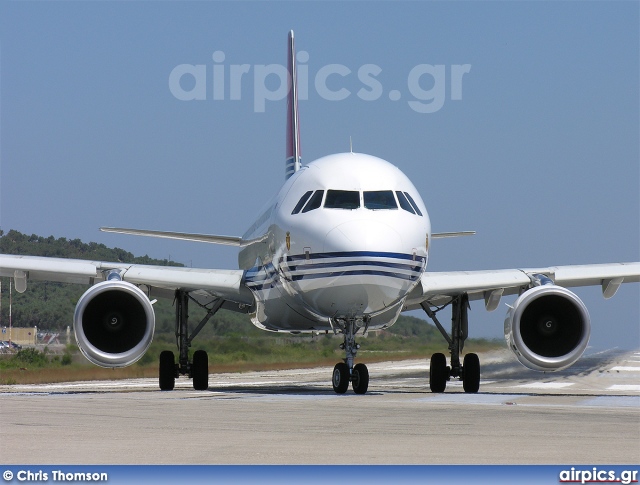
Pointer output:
50, 305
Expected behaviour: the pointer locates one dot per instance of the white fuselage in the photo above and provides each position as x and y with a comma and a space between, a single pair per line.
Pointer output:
345, 238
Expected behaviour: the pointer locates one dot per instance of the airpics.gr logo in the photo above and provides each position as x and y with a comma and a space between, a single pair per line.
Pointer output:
426, 84
596, 475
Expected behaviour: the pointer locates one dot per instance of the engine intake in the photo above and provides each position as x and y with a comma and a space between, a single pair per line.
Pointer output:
114, 323
547, 328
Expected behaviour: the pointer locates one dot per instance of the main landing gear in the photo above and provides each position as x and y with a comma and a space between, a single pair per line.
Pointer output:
198, 368
345, 372
469, 371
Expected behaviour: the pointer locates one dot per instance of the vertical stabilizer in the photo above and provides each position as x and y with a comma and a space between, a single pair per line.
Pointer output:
293, 127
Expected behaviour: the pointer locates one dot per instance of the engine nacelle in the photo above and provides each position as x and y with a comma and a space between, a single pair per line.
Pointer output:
114, 323
547, 328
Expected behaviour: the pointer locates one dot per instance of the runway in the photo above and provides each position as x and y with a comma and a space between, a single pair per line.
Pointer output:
589, 414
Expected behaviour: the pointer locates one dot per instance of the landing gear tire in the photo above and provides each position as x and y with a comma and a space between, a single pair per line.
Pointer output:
438, 373
167, 371
340, 379
200, 370
360, 381
471, 373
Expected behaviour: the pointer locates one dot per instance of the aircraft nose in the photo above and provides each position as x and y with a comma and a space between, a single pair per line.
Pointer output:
362, 236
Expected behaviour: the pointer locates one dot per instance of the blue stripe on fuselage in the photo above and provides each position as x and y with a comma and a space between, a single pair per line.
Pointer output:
354, 254
365, 272
305, 267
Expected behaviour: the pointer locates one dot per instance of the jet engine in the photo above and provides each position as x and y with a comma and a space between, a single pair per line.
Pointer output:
548, 327
114, 323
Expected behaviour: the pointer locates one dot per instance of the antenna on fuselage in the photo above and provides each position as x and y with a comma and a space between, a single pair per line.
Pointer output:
350, 146
293, 127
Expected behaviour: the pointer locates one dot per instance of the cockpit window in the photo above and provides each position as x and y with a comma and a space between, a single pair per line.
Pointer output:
314, 202
301, 202
404, 203
342, 199
380, 199
413, 203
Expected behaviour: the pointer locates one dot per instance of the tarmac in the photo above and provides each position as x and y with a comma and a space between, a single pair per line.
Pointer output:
588, 414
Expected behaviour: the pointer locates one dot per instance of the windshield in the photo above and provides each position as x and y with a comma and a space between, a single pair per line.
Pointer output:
342, 199
315, 201
380, 199
301, 202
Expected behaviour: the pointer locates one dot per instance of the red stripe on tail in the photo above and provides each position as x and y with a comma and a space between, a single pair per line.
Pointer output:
293, 127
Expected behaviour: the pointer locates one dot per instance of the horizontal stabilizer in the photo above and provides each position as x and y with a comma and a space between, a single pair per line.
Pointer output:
442, 235
182, 236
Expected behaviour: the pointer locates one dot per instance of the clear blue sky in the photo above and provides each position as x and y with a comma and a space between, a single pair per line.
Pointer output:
540, 155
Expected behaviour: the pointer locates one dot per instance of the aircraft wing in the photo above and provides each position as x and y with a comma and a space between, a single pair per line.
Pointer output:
438, 288
217, 283
187, 236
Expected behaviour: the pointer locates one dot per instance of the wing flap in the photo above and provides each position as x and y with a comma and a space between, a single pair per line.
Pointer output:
221, 283
590, 274
438, 288
49, 269
464, 281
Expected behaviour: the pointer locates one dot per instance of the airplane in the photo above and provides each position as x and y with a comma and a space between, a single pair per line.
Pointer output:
342, 248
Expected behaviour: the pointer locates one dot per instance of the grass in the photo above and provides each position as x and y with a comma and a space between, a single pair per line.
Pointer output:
232, 354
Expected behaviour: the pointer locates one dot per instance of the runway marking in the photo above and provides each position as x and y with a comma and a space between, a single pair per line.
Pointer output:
408, 367
469, 398
252, 383
300, 397
512, 399
404, 385
70, 386
626, 368
624, 387
546, 385
613, 401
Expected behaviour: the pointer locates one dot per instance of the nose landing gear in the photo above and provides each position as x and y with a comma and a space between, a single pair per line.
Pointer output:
345, 372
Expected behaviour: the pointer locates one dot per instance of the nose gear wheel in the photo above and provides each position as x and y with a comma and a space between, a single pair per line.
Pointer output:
345, 372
